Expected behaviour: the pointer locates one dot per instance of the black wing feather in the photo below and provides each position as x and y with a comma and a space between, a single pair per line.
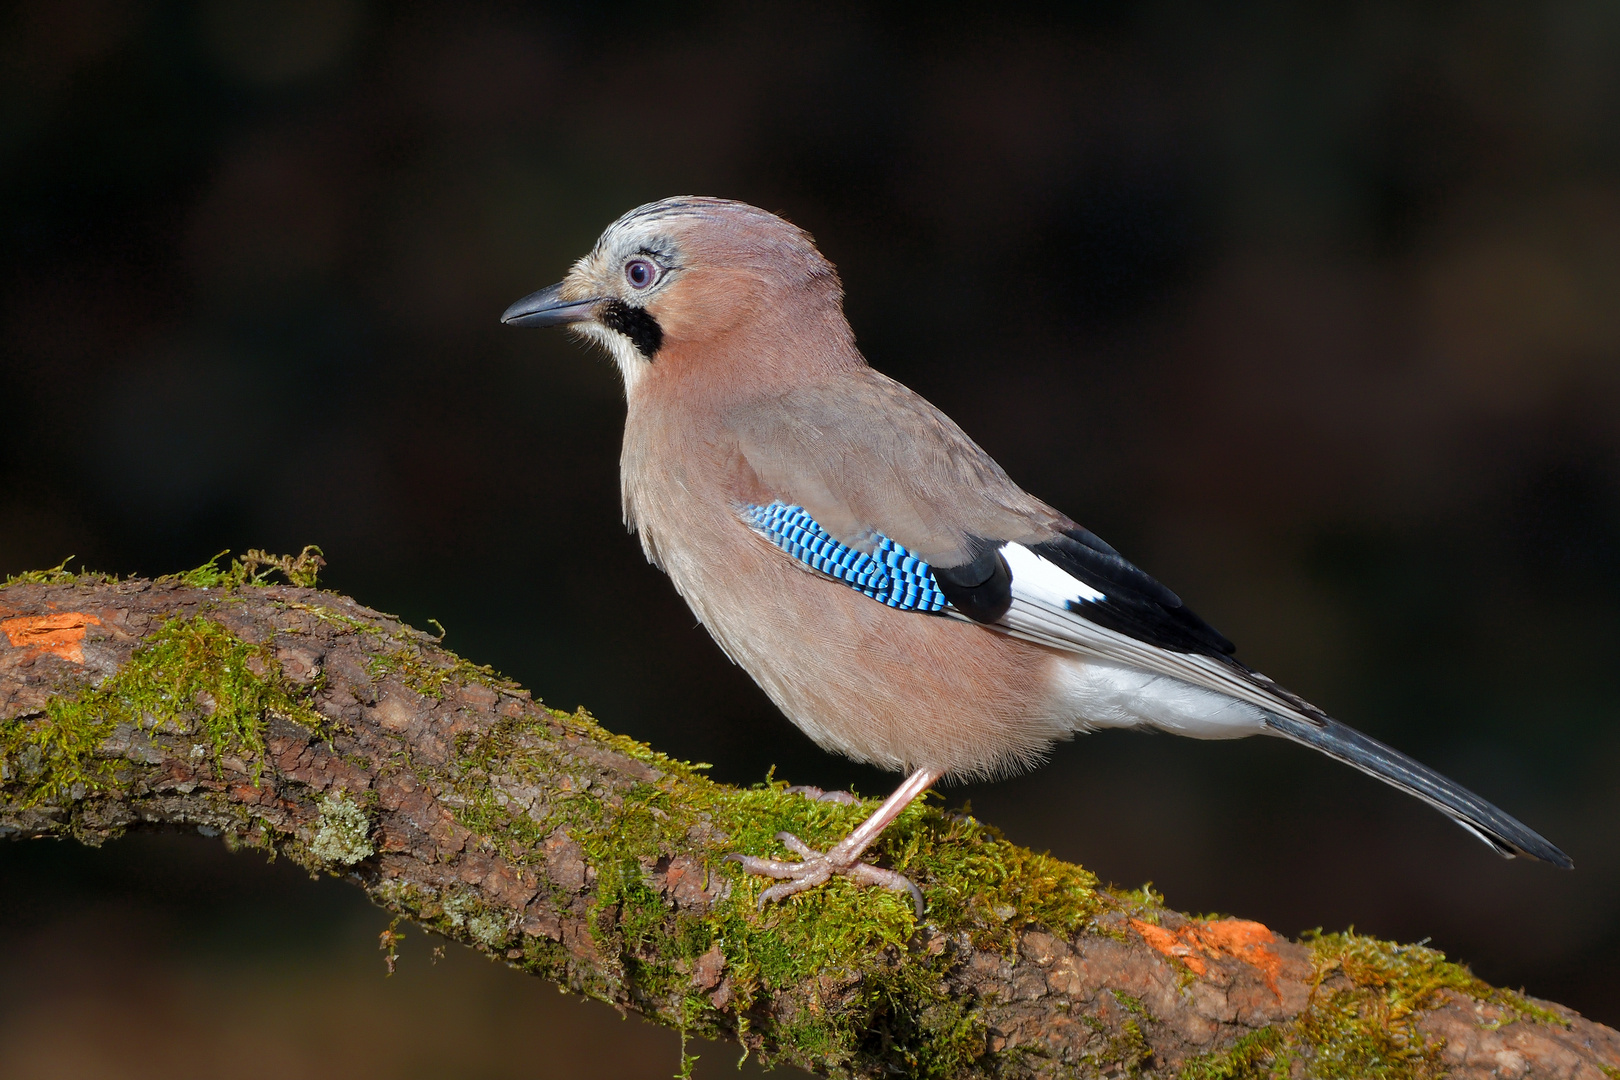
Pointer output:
1133, 603
981, 589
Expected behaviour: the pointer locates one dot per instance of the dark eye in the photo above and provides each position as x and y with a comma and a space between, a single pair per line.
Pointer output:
640, 273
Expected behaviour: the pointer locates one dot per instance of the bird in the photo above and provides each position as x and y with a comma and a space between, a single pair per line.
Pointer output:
886, 583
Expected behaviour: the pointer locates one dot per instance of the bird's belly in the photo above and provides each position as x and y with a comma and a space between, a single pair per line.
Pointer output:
898, 689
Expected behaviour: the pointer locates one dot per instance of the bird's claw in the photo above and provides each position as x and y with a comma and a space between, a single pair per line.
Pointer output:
816, 868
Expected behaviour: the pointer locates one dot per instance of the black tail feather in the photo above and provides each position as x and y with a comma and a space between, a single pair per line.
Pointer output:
1503, 832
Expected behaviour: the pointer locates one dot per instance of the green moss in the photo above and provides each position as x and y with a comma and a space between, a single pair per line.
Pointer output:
1144, 903
874, 992
57, 575
1360, 1023
430, 679
192, 677
1130, 1049
1367, 1030
253, 568
1250, 1056
342, 832
1133, 1005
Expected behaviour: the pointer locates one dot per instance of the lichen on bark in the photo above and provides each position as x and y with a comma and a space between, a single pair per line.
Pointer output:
343, 835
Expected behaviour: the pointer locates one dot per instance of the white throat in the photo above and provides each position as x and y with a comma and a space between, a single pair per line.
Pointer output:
632, 365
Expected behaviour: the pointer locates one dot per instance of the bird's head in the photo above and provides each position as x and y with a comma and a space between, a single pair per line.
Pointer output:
683, 276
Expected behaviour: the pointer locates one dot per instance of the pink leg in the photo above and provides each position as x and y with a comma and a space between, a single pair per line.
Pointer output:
845, 857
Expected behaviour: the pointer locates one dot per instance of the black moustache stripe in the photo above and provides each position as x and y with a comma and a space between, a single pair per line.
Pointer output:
634, 323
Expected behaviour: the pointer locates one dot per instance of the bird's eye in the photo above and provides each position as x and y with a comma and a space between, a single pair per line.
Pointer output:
640, 273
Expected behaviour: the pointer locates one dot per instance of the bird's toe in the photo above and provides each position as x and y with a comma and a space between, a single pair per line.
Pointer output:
816, 868
813, 875
868, 874
764, 867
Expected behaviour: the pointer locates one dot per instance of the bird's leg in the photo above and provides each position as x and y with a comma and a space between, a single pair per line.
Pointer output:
844, 857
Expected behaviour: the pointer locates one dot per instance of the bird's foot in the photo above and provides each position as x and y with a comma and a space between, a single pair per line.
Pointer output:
816, 868
815, 794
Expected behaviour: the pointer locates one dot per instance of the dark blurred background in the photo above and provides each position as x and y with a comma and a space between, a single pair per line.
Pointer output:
1312, 311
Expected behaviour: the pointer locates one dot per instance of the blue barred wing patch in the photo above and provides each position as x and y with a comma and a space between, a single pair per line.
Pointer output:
891, 574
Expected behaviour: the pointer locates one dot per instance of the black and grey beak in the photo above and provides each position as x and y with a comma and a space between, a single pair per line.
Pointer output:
546, 308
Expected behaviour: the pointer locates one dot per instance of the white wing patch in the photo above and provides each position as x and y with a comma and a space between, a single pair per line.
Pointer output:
1041, 594
1043, 581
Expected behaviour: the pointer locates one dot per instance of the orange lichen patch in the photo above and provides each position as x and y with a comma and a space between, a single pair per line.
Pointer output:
1247, 941
1171, 944
60, 635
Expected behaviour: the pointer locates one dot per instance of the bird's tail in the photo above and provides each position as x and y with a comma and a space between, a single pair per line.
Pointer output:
1506, 835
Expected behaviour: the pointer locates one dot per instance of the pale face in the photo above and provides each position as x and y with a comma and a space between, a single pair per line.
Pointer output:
630, 276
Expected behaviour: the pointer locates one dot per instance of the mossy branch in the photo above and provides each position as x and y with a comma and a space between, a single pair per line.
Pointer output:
294, 720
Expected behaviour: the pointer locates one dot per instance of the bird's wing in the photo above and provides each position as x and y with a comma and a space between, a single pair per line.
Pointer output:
865, 455
1058, 599
865, 473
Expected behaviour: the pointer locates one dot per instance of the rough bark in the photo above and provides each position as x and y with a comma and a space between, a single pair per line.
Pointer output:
295, 720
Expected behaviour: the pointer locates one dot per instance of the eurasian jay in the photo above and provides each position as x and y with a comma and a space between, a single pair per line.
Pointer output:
896, 594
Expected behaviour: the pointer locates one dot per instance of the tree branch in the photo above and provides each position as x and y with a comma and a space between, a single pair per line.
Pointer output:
297, 721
